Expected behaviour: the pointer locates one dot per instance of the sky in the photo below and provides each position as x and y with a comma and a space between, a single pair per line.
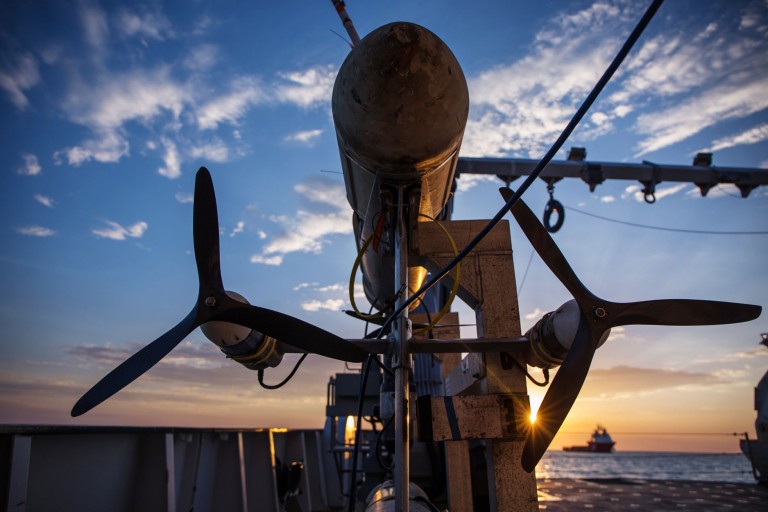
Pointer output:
108, 109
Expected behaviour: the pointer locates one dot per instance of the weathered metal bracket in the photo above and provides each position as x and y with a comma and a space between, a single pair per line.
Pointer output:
464, 417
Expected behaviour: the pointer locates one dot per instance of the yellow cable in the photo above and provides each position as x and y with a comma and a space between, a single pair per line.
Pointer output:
456, 280
359, 258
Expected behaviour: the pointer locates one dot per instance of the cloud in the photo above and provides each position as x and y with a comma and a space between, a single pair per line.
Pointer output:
146, 25
329, 304
38, 231
307, 137
44, 200
607, 199
517, 108
275, 260
674, 124
94, 22
202, 58
231, 107
636, 191
172, 160
301, 286
308, 230
109, 146
185, 197
308, 88
626, 381
115, 231
238, 229
19, 73
31, 166
215, 151
676, 84
752, 136
467, 182
534, 315
336, 287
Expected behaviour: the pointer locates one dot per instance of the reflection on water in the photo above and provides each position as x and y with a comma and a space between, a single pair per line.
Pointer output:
705, 467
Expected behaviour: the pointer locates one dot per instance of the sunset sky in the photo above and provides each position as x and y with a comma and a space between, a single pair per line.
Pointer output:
107, 110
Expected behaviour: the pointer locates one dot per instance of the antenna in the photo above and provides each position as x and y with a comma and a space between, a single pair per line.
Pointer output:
346, 21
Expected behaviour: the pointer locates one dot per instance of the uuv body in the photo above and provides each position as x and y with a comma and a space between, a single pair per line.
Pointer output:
400, 106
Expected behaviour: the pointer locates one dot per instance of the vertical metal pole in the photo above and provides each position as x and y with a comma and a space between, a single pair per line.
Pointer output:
401, 362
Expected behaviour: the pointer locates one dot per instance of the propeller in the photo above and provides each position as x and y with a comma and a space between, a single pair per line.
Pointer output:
596, 317
213, 304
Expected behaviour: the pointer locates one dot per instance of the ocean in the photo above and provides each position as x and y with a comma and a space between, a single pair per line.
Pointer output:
704, 467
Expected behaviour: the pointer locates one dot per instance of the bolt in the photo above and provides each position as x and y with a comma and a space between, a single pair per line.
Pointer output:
600, 313
210, 302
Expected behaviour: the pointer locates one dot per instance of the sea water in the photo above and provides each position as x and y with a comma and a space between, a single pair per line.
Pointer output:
705, 467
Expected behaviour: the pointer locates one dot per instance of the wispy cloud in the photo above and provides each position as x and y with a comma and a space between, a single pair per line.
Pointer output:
317, 305
517, 108
202, 58
307, 137
149, 24
115, 231
31, 166
673, 85
171, 159
38, 231
752, 136
308, 230
44, 200
636, 191
18, 73
94, 23
185, 197
306, 88
239, 227
216, 151
467, 182
231, 107
627, 381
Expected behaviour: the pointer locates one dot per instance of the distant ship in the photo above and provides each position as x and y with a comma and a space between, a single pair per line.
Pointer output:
756, 450
600, 442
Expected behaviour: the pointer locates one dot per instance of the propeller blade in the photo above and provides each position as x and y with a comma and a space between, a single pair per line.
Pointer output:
560, 396
290, 330
135, 366
205, 229
682, 312
545, 246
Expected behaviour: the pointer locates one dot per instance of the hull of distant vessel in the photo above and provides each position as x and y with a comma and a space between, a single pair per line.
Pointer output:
591, 448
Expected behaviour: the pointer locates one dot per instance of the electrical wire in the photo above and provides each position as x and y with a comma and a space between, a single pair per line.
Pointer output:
523, 369
580, 113
662, 228
527, 268
352, 276
285, 381
356, 450
456, 280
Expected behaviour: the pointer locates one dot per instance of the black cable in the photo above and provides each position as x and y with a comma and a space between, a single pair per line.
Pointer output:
661, 228
527, 268
376, 448
523, 369
285, 381
599, 86
356, 450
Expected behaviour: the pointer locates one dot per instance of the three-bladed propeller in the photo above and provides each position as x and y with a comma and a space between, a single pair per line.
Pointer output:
597, 316
213, 304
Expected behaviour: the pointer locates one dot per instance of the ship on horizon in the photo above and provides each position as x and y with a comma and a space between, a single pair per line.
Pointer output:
600, 442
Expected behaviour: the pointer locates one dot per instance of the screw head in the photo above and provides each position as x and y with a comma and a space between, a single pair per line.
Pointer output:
210, 302
600, 312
